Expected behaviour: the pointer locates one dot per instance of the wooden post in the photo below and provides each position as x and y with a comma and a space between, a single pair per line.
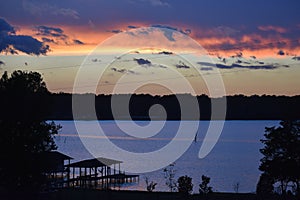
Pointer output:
96, 180
68, 177
106, 183
73, 182
85, 178
80, 181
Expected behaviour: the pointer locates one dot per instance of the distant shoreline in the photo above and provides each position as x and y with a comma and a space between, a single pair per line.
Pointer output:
238, 107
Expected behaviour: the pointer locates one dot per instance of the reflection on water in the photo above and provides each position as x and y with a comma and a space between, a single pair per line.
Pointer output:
235, 158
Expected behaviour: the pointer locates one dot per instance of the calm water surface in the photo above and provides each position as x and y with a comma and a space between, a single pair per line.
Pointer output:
235, 157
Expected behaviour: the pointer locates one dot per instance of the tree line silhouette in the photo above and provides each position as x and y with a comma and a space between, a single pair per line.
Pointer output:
239, 107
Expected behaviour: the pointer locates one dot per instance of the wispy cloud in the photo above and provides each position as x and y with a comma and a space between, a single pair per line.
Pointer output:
296, 58
115, 31
182, 65
48, 40
206, 68
166, 52
51, 32
235, 65
169, 31
75, 41
96, 60
38, 8
159, 3
55, 35
277, 29
123, 71
132, 26
225, 30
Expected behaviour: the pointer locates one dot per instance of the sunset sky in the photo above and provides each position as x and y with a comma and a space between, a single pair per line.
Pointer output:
254, 46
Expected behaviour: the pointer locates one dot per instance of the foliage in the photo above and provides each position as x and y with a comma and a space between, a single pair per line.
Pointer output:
203, 187
185, 184
281, 152
170, 177
265, 185
150, 186
24, 131
24, 96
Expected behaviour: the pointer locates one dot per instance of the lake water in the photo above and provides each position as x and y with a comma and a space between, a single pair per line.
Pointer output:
234, 159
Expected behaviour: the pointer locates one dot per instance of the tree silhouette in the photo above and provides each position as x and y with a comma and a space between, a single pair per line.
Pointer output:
185, 184
203, 187
170, 177
281, 160
265, 185
150, 186
24, 131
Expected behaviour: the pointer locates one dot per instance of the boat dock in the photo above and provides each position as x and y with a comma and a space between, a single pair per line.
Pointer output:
98, 173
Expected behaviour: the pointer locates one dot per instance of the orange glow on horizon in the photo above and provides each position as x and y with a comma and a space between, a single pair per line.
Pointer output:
92, 37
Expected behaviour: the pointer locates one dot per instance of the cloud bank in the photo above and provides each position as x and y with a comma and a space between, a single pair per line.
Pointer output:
13, 43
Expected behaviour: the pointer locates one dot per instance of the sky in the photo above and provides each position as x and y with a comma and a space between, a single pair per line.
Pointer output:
155, 46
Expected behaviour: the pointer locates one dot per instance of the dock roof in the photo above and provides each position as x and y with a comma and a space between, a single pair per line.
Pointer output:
95, 162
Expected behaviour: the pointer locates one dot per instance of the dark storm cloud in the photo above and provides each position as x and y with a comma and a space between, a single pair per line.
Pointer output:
281, 53
142, 61
27, 44
6, 28
235, 65
12, 43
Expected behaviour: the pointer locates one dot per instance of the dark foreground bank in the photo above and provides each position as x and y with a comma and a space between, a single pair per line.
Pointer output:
89, 194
